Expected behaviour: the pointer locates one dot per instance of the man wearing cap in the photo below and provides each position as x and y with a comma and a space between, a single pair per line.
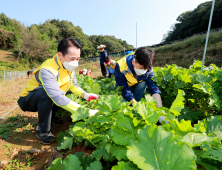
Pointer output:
46, 89
103, 56
134, 72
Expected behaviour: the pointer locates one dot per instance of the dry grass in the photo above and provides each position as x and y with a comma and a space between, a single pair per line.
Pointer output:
10, 91
7, 56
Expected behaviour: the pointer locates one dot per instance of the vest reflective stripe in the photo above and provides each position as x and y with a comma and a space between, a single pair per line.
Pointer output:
131, 80
63, 77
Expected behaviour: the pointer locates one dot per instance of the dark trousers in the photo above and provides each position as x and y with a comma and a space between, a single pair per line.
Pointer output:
38, 100
103, 69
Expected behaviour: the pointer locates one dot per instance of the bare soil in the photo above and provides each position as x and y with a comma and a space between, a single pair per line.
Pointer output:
20, 136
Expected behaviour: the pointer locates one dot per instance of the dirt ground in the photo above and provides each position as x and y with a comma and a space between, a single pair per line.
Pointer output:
17, 131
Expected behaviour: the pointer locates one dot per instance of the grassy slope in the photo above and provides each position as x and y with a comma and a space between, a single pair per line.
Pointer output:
184, 53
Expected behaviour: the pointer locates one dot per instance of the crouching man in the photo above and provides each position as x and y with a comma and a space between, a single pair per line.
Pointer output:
134, 73
45, 91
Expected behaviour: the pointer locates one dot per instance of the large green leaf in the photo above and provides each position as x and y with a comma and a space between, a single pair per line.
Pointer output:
205, 87
212, 153
66, 143
118, 151
178, 103
123, 131
214, 126
108, 104
185, 77
219, 75
125, 166
196, 139
160, 151
147, 113
96, 88
121, 166
70, 163
80, 113
209, 164
95, 166
189, 114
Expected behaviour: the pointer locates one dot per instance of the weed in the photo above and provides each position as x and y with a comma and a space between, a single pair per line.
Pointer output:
40, 143
18, 139
7, 145
17, 164
14, 118
9, 150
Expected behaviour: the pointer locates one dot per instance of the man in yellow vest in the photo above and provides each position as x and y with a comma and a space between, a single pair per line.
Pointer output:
134, 73
45, 91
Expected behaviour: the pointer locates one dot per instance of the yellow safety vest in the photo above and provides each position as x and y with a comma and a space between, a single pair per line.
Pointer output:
124, 69
63, 77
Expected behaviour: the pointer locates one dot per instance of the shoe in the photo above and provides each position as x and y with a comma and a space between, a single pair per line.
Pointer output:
57, 121
44, 137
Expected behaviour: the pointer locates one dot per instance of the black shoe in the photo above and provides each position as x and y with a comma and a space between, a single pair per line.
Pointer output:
44, 137
57, 121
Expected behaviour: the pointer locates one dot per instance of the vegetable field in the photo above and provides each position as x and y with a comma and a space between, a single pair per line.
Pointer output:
125, 137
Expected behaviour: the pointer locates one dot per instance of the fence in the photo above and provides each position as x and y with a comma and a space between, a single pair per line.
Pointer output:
113, 56
9, 75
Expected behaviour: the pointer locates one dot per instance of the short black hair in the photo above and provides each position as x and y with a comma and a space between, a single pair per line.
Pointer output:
145, 57
67, 42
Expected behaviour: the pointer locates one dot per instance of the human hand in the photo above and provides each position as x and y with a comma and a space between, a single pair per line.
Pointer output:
133, 101
90, 96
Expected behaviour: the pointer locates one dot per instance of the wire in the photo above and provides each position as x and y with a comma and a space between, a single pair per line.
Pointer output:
8, 112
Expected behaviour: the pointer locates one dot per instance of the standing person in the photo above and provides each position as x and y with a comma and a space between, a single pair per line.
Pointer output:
134, 73
103, 57
46, 89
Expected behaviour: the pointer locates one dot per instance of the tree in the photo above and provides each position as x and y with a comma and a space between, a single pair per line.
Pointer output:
196, 21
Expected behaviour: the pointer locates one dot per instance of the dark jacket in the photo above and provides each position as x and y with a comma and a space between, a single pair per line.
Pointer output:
103, 54
122, 81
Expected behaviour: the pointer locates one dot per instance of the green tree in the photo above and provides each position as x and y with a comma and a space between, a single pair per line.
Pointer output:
196, 21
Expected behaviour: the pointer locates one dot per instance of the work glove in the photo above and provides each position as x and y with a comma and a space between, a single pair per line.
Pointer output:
162, 118
92, 112
90, 96
108, 63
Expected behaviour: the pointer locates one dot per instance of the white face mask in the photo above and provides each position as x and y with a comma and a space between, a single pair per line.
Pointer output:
71, 66
139, 72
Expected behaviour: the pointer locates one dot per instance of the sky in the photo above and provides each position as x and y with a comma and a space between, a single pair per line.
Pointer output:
105, 17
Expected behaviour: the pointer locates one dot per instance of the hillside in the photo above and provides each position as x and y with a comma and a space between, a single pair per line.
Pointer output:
195, 21
38, 42
185, 52
180, 53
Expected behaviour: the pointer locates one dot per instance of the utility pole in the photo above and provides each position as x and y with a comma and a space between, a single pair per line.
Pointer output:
208, 32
